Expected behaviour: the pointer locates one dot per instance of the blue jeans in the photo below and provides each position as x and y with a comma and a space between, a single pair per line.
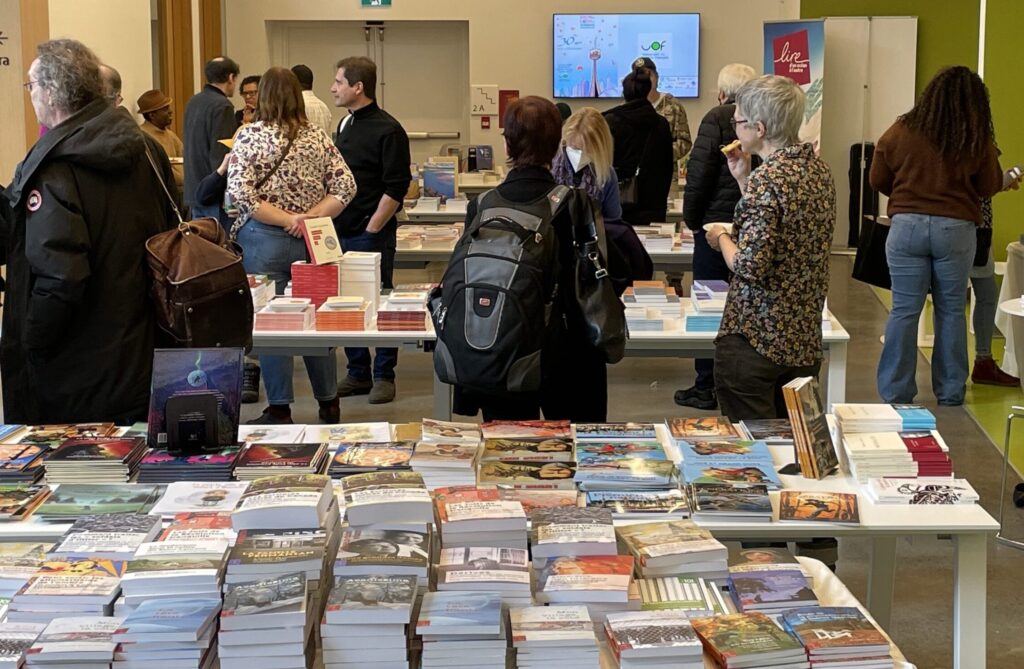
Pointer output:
270, 250
927, 253
707, 264
385, 360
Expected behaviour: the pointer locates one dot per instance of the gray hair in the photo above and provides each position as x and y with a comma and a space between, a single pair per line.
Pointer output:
70, 72
777, 103
732, 77
111, 80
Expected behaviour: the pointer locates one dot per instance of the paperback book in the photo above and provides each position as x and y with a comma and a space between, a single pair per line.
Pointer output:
630, 473
527, 429
663, 634
716, 470
371, 600
771, 590
199, 497
572, 531
448, 432
547, 450
555, 475
585, 578
769, 430
701, 429
393, 552
724, 450
836, 632
348, 433
359, 458
71, 500
52, 436
615, 431
731, 501
266, 603
747, 640
667, 504
386, 497
18, 501
819, 507
110, 536
597, 452
497, 569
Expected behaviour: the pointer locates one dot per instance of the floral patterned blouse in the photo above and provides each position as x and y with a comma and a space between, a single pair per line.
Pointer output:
312, 170
783, 228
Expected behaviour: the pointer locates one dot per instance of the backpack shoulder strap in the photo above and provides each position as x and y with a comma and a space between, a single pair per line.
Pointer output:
557, 198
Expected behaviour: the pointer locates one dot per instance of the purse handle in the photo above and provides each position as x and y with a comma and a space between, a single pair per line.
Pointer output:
182, 225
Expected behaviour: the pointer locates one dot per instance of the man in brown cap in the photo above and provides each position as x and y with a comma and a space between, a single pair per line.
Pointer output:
155, 107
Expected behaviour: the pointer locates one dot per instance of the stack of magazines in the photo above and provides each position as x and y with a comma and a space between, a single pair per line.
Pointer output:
163, 466
97, 460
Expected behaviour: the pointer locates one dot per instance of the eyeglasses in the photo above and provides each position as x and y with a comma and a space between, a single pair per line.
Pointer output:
736, 121
246, 94
28, 85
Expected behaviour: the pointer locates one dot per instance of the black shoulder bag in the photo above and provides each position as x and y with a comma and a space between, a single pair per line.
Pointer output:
629, 188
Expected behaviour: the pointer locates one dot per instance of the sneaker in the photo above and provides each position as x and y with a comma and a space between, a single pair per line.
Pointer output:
352, 386
987, 372
698, 398
250, 383
273, 415
383, 392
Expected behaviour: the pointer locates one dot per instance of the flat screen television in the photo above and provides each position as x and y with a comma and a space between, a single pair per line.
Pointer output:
593, 52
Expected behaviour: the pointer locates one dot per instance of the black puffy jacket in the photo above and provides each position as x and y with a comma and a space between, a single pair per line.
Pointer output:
78, 323
711, 191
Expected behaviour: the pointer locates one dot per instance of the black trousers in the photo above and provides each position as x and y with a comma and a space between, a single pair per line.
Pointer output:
707, 264
749, 385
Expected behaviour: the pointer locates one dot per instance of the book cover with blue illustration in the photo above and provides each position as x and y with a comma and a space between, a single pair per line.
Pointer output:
161, 618
719, 470
721, 449
592, 452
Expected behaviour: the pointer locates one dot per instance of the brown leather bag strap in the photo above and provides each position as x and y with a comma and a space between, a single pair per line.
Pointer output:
160, 178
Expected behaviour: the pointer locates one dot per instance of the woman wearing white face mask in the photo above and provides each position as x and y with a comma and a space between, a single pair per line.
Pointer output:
585, 161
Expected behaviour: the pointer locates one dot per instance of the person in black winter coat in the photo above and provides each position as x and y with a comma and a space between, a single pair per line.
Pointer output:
710, 196
643, 141
78, 324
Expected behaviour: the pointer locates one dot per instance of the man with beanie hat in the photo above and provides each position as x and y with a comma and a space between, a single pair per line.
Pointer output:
155, 108
673, 111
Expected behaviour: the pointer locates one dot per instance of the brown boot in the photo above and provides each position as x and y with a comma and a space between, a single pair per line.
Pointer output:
987, 372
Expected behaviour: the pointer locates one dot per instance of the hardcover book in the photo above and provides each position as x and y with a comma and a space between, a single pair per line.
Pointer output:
71, 500
820, 507
51, 436
291, 456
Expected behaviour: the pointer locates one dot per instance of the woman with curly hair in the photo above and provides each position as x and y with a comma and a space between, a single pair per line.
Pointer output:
936, 164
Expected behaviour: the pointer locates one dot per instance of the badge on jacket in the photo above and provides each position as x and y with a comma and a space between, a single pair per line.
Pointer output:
34, 201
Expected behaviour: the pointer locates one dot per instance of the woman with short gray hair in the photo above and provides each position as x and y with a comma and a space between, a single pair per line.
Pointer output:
778, 251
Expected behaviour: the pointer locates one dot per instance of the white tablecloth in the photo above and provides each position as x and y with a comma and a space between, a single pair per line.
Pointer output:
1013, 287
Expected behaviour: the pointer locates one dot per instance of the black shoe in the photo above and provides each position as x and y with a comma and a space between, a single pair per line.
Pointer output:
274, 416
1018, 495
330, 412
698, 398
250, 383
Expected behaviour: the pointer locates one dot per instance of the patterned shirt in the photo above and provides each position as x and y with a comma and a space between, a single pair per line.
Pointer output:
312, 170
675, 114
783, 228
318, 113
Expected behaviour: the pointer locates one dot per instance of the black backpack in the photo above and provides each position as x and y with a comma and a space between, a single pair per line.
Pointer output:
492, 310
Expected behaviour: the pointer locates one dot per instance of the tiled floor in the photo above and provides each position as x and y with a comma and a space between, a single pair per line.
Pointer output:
642, 389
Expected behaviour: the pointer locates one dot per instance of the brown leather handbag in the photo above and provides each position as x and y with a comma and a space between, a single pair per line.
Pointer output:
199, 286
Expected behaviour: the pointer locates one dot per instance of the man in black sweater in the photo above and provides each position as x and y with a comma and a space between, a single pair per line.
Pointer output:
376, 148
209, 118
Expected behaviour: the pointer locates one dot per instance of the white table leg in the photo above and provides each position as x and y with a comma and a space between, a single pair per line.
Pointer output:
969, 582
442, 399
835, 389
881, 579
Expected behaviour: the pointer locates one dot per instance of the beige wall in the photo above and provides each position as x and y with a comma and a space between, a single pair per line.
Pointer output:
510, 42
119, 31
12, 103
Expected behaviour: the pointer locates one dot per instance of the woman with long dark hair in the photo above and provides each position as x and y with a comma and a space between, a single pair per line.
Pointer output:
282, 171
936, 164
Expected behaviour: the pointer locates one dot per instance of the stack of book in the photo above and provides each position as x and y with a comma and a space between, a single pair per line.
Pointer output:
177, 632
360, 276
444, 465
96, 460
572, 531
79, 642
896, 455
71, 500
654, 639
462, 629
361, 458
284, 502
19, 501
161, 466
18, 563
199, 496
584, 579
692, 595
700, 321
741, 640
657, 237
622, 456
915, 417
386, 497
708, 295
486, 569
440, 237
549, 636
388, 552
260, 460
528, 475
479, 517
815, 450
110, 536
771, 590
867, 418
365, 623
68, 587
266, 623
343, 314
434, 431
528, 430
921, 491
21, 463
167, 569
262, 288
403, 311
15, 640
674, 547
52, 436
651, 306
546, 450
409, 238
317, 283
763, 558
838, 636
286, 314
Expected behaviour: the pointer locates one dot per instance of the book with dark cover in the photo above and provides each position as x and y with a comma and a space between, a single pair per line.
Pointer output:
51, 436
372, 593
816, 452
96, 450
772, 590
180, 373
302, 456
386, 548
770, 430
822, 507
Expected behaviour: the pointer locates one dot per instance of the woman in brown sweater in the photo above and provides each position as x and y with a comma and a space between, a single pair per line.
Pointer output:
936, 164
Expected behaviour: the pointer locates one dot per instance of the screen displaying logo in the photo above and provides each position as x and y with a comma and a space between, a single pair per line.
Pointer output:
791, 57
657, 47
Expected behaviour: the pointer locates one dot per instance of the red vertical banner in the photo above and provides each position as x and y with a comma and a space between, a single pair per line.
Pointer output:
792, 57
505, 98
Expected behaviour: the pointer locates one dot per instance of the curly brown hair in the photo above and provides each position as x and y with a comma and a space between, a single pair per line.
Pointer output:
70, 71
954, 114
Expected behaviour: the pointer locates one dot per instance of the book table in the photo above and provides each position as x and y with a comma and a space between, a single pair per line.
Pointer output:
668, 344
